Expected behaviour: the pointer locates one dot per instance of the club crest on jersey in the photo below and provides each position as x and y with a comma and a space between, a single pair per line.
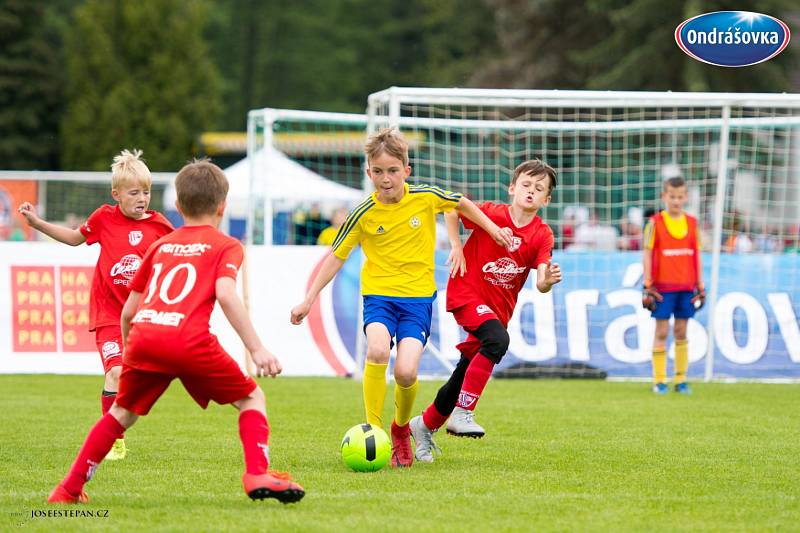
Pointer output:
135, 237
414, 222
516, 242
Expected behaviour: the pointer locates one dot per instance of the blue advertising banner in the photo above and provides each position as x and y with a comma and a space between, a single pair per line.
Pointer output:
595, 317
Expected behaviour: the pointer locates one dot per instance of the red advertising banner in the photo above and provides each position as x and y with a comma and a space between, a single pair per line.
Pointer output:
75, 283
51, 309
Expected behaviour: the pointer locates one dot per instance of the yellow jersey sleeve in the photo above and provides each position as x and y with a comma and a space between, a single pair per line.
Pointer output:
350, 234
440, 199
649, 237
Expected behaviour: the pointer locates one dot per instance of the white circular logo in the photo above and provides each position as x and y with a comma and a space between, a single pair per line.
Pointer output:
414, 222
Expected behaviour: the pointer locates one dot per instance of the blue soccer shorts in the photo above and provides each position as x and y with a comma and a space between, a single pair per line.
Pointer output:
402, 318
678, 303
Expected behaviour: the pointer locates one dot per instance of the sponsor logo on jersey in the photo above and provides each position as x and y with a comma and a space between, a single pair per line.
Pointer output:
516, 242
162, 318
414, 222
482, 309
110, 348
135, 237
234, 267
502, 272
380, 230
466, 399
126, 267
675, 252
196, 248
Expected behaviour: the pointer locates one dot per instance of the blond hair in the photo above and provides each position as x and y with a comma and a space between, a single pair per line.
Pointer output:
389, 141
201, 186
127, 168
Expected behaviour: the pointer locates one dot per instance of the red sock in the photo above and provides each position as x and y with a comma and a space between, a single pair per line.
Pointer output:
478, 373
97, 444
107, 400
254, 433
433, 418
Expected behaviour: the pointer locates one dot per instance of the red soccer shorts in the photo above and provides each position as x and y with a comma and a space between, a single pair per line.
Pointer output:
470, 317
211, 375
109, 345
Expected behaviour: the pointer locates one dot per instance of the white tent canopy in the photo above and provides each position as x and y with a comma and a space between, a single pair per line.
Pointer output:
278, 177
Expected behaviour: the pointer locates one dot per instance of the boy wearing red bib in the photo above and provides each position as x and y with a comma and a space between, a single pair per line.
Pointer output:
672, 281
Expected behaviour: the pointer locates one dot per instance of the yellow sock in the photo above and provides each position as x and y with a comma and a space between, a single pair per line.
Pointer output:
681, 360
659, 365
404, 402
374, 391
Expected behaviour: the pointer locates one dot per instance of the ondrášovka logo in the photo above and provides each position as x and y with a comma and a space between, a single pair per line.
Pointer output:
732, 38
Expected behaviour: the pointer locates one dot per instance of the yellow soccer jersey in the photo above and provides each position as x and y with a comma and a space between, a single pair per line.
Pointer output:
398, 240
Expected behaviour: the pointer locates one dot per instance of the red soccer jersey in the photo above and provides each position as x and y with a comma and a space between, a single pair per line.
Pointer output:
178, 284
494, 273
123, 243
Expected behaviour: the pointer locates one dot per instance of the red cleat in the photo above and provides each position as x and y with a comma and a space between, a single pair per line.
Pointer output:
273, 484
402, 456
60, 495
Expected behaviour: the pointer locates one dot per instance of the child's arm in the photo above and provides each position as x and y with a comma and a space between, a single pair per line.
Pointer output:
501, 236
128, 312
69, 236
266, 363
456, 260
547, 275
330, 267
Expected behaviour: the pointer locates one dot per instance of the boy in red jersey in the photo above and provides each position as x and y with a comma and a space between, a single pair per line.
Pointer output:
165, 323
672, 281
483, 299
124, 232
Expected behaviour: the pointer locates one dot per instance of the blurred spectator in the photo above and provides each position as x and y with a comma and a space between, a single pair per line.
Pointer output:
630, 227
308, 225
570, 220
327, 235
767, 242
594, 236
72, 221
792, 242
738, 241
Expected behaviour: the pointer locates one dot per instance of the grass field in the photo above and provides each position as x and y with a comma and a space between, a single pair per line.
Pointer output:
558, 455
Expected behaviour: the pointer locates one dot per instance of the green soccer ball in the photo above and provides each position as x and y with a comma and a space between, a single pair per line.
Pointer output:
366, 448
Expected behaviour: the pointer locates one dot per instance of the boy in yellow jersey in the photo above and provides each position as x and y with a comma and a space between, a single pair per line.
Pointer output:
396, 226
672, 281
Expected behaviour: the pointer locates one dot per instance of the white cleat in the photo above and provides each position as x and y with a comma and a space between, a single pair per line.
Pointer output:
423, 439
462, 424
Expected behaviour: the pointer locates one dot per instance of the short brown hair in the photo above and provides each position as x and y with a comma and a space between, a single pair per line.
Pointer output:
535, 167
675, 182
201, 186
390, 141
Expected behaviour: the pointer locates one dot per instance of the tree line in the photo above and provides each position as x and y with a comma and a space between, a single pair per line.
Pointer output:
79, 79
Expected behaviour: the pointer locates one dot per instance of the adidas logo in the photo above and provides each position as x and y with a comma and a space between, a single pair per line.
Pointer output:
380, 230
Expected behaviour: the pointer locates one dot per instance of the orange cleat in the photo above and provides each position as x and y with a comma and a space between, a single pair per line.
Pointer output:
402, 456
60, 495
273, 484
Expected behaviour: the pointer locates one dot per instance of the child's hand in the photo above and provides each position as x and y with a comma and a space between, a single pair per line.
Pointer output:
553, 274
502, 236
650, 298
266, 363
299, 312
457, 262
699, 297
27, 210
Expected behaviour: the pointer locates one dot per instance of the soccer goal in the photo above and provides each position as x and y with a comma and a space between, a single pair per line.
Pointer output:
740, 154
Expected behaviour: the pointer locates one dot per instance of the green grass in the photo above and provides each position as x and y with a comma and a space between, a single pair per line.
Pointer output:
558, 455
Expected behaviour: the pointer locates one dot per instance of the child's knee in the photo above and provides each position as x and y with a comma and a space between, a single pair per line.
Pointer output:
377, 353
112, 376
405, 376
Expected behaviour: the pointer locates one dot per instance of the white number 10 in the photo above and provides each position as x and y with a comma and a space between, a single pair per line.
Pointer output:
163, 293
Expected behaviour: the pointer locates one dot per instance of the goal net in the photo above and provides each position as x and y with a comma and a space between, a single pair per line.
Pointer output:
740, 155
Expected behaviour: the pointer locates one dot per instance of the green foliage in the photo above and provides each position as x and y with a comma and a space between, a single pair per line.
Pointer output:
31, 79
558, 456
329, 56
140, 75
